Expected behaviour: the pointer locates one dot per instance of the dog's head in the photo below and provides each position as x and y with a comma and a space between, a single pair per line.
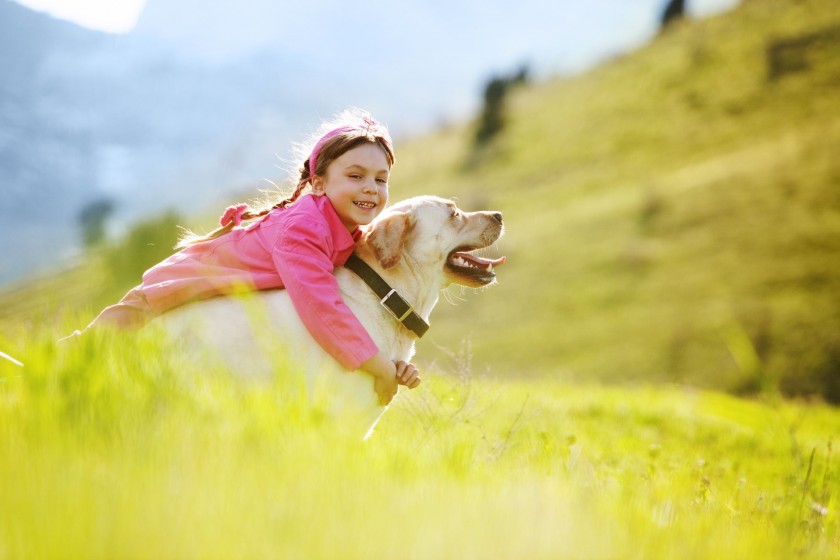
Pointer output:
429, 231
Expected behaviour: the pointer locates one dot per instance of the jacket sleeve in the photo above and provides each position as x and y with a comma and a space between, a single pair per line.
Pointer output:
302, 257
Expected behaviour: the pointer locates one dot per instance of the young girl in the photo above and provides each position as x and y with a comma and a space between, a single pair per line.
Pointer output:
295, 244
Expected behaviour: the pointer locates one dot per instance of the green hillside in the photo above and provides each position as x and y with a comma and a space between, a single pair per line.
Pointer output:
672, 215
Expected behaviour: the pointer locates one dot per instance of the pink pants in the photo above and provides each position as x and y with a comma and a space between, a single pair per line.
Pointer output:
130, 313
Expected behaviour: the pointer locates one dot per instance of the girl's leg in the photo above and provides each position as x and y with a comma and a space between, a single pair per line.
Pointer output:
132, 312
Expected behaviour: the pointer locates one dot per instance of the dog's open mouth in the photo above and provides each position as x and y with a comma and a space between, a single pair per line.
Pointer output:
472, 268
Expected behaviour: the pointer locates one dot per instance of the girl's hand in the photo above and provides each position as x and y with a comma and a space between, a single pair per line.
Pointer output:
387, 374
407, 374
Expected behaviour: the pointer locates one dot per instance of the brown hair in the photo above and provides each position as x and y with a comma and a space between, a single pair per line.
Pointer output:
357, 128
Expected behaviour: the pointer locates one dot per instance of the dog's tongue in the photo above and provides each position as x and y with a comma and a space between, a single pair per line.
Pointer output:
480, 262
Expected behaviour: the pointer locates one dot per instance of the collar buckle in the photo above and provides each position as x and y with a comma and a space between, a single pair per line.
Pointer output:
397, 306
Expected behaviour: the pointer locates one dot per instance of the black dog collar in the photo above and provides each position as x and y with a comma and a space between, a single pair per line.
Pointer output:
389, 297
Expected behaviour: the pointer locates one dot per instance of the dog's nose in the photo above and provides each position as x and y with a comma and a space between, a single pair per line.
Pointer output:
498, 216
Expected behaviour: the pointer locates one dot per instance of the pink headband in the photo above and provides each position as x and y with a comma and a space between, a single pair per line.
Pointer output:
370, 127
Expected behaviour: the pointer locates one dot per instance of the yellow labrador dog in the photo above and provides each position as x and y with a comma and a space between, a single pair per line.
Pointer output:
416, 248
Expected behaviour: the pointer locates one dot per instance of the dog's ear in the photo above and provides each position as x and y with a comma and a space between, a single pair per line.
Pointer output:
387, 237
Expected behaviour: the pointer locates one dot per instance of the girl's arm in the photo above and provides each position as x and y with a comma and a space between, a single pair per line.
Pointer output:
384, 373
301, 255
302, 258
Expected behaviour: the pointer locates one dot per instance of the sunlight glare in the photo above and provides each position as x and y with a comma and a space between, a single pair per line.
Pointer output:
112, 16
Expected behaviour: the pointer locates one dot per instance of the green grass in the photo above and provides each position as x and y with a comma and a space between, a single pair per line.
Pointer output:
112, 448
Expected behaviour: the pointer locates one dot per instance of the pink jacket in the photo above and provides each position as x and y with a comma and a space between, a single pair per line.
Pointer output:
296, 248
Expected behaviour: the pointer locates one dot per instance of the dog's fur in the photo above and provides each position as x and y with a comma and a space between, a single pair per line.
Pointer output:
412, 245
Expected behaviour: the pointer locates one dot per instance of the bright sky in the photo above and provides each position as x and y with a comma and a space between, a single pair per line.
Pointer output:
113, 16
120, 16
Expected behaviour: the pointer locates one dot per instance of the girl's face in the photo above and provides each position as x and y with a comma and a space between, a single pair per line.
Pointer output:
357, 184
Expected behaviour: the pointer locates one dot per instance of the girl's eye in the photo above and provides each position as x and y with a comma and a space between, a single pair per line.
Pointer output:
382, 181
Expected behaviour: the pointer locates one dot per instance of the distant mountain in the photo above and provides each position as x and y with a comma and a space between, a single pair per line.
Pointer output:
37, 161
86, 115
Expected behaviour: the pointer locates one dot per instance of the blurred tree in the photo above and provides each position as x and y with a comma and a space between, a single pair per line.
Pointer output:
492, 116
492, 120
674, 11
92, 219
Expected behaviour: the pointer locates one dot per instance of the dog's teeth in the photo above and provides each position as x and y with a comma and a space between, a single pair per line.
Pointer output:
462, 262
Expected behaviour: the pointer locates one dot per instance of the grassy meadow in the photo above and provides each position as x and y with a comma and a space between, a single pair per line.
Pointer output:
648, 379
114, 448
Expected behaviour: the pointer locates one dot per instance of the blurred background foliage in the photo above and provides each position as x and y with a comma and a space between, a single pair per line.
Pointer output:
145, 244
672, 215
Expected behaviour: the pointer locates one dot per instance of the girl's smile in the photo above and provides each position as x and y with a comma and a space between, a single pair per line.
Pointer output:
356, 184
